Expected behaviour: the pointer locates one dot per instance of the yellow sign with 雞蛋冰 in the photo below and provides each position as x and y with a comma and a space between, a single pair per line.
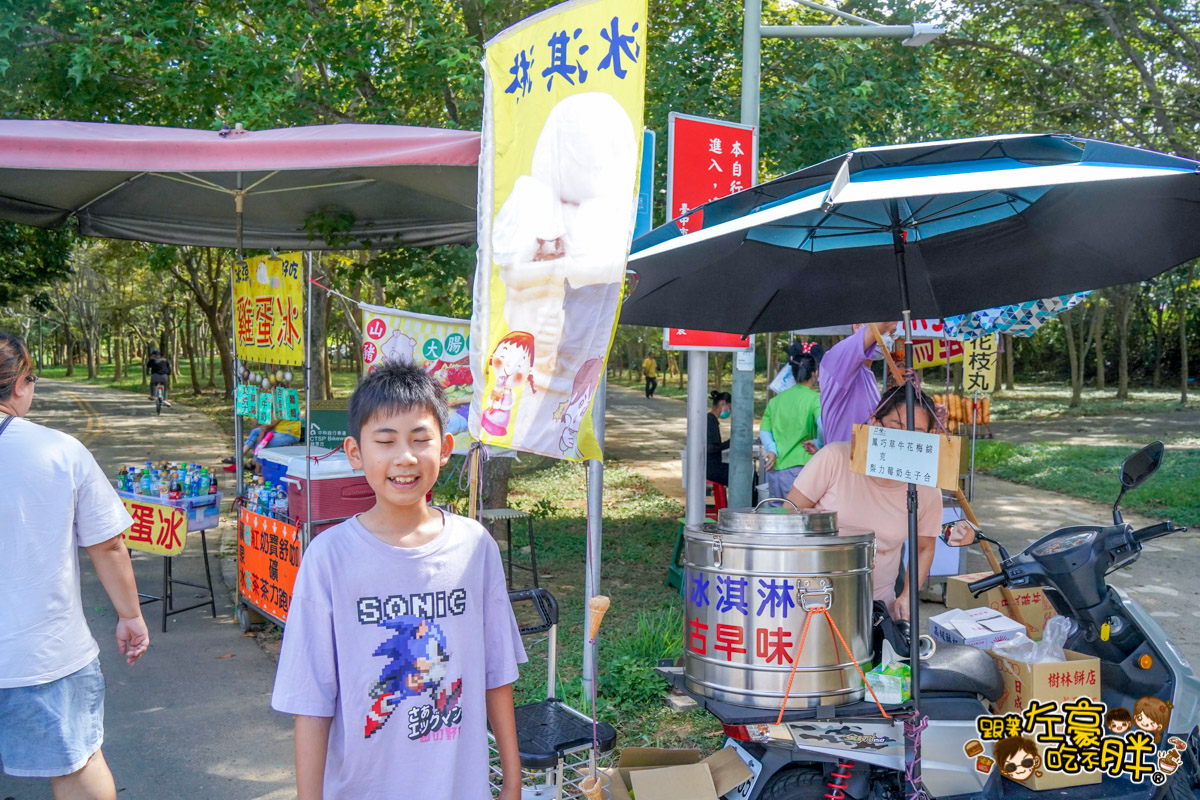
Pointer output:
268, 300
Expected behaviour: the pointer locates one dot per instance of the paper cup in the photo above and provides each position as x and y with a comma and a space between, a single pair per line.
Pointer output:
595, 786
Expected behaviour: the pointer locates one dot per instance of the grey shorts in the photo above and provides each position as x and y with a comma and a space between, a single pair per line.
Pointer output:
52, 729
779, 481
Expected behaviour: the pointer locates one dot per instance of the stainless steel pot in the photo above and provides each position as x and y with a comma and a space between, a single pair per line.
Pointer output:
751, 581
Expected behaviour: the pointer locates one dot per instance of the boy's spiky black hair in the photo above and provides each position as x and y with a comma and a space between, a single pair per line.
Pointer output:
396, 388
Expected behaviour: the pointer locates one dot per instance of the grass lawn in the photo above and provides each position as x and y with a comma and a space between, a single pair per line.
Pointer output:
1092, 473
1041, 401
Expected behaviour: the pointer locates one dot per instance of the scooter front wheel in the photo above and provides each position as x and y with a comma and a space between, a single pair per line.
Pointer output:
795, 784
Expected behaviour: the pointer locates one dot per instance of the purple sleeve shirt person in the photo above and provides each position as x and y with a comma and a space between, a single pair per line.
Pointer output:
849, 392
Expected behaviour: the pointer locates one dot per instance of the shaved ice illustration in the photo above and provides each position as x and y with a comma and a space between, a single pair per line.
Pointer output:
556, 226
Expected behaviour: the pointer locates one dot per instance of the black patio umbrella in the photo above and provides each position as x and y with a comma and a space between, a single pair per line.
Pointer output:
930, 229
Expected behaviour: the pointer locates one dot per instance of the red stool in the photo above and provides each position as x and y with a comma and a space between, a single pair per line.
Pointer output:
719, 499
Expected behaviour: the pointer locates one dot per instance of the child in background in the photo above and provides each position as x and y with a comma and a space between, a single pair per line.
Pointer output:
401, 645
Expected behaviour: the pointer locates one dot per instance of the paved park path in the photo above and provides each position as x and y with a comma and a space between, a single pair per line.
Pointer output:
647, 435
191, 720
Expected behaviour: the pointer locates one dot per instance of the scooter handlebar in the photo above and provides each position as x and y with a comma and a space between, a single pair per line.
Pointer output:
990, 582
1155, 531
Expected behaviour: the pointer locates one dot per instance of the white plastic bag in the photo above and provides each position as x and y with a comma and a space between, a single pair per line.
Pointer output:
1048, 650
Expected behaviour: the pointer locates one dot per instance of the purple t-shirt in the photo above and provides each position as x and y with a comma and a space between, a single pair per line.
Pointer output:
849, 392
398, 645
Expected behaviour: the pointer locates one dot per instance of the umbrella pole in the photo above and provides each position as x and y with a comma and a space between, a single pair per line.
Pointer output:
913, 726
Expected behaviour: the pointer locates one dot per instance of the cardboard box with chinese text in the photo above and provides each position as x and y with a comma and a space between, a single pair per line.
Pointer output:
1061, 681
1036, 609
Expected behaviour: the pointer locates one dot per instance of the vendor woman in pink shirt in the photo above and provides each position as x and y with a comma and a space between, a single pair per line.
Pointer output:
879, 504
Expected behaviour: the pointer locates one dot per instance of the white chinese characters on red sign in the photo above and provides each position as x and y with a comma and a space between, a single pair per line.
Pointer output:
709, 159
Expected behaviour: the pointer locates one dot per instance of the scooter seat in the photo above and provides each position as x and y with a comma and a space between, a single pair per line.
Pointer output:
959, 668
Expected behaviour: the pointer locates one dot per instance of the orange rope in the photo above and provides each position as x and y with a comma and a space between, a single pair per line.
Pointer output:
795, 662
878, 704
800, 649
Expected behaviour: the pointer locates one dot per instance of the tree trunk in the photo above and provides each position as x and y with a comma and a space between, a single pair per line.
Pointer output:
718, 373
1159, 344
189, 347
318, 367
1124, 297
212, 354
1183, 352
1098, 337
114, 355
493, 483
1010, 359
90, 343
1073, 358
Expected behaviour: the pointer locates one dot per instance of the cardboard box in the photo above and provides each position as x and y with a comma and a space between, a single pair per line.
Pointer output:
1078, 676
977, 627
1035, 608
657, 774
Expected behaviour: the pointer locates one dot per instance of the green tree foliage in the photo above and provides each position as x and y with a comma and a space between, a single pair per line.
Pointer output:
30, 258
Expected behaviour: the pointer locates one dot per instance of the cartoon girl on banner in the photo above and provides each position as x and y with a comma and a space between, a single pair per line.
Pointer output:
512, 365
570, 414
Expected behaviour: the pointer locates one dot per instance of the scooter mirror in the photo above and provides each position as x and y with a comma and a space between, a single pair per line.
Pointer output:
1141, 465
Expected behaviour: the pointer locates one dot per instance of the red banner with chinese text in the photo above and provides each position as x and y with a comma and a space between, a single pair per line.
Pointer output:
268, 559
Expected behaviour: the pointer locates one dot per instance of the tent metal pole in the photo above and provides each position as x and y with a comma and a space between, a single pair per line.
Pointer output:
238, 199
306, 536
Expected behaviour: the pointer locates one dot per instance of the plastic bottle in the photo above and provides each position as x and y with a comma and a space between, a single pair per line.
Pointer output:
265, 498
144, 483
202, 483
279, 505
212, 485
164, 486
176, 491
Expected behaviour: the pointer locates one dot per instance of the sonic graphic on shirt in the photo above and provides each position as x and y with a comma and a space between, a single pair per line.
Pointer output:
417, 663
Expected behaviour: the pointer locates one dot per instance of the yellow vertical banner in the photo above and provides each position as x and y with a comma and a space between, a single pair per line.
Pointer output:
562, 134
979, 365
268, 302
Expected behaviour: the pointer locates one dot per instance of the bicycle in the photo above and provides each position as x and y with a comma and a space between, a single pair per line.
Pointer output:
159, 398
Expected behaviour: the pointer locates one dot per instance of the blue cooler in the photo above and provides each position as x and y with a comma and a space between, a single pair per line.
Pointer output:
275, 460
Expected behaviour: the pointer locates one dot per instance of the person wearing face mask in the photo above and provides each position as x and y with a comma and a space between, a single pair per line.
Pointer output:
717, 470
789, 426
879, 504
849, 390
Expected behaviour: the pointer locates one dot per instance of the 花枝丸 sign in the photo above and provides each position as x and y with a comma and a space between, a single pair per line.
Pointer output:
979, 365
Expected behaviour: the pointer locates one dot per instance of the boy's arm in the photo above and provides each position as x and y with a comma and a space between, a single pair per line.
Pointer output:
312, 746
504, 728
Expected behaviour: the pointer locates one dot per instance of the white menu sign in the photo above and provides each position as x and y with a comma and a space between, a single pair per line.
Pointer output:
905, 456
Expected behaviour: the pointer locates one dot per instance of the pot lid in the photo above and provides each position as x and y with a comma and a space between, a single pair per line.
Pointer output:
787, 519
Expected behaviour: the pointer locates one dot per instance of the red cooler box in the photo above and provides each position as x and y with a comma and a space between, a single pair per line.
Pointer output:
338, 491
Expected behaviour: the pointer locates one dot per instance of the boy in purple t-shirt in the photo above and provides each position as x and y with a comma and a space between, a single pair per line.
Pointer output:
401, 645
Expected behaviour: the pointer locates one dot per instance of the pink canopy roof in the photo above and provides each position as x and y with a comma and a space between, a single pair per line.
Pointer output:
399, 185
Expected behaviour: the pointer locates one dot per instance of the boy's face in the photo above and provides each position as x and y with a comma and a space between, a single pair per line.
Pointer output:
401, 454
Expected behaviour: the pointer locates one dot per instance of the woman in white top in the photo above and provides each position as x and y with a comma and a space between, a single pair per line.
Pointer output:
56, 499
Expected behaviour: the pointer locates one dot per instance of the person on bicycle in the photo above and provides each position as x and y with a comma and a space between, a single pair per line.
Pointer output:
159, 370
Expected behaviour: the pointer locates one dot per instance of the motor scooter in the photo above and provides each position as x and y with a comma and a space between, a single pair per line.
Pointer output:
851, 751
